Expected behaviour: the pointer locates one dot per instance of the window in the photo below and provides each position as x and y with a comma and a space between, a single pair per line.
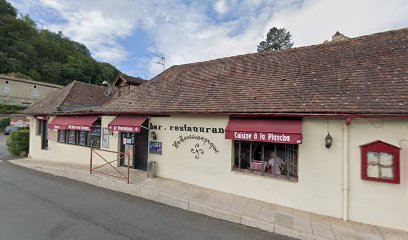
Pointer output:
380, 162
39, 127
72, 136
124, 89
83, 136
94, 137
80, 137
61, 136
271, 159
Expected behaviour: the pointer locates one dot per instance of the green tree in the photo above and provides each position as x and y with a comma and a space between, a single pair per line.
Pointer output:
276, 39
44, 55
6, 8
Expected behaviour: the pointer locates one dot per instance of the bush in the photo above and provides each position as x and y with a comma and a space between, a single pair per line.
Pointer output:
10, 109
4, 123
19, 142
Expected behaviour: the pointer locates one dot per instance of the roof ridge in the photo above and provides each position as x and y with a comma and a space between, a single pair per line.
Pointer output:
338, 78
30, 81
67, 93
289, 49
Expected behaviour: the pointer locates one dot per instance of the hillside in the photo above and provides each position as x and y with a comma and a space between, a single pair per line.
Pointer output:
43, 55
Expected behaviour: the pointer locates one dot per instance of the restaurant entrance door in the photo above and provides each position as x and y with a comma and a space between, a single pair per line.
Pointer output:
127, 146
134, 144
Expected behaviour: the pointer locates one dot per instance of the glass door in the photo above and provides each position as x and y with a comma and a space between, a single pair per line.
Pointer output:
127, 146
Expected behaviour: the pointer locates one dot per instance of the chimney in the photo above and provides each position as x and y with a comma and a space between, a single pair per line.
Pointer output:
339, 37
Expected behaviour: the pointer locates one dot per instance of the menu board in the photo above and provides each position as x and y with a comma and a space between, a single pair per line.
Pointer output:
386, 159
128, 155
387, 173
52, 135
372, 158
155, 147
373, 171
105, 138
380, 165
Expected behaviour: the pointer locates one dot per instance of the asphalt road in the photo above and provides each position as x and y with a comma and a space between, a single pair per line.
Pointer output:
36, 205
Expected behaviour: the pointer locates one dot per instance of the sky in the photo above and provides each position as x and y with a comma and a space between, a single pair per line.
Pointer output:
130, 34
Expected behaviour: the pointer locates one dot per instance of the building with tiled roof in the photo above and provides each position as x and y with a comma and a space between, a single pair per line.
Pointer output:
76, 96
363, 75
321, 128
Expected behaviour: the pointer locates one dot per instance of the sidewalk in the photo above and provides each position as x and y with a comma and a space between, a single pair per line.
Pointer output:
229, 207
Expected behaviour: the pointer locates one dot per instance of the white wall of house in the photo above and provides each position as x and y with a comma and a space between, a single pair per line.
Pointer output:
379, 203
319, 188
56, 151
113, 142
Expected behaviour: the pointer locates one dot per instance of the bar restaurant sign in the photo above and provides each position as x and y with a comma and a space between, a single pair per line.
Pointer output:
199, 143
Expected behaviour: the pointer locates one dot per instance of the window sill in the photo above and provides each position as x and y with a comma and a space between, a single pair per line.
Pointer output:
268, 176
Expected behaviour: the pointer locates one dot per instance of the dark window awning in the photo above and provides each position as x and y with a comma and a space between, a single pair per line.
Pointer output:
265, 130
82, 123
127, 123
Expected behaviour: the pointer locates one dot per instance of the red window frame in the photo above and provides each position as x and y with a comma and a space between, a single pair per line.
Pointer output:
380, 146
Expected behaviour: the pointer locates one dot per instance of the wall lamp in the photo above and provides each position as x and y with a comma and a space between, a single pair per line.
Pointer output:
328, 140
153, 135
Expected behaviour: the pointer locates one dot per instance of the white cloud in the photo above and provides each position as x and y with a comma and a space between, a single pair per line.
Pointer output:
317, 20
221, 7
187, 31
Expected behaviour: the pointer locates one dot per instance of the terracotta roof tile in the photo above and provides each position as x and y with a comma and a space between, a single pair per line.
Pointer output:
76, 96
364, 75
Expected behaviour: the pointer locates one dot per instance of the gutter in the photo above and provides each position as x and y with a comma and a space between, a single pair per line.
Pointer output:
317, 115
346, 171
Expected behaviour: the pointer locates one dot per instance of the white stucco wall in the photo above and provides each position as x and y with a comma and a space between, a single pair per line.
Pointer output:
63, 152
320, 177
113, 143
375, 202
320, 183
56, 151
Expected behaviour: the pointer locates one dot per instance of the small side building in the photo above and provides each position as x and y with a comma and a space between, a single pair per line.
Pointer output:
45, 134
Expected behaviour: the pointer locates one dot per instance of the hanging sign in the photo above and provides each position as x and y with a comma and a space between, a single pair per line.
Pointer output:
265, 137
118, 128
41, 117
78, 127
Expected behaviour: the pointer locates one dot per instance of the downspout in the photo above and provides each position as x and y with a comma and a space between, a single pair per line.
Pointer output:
346, 160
